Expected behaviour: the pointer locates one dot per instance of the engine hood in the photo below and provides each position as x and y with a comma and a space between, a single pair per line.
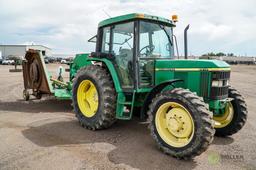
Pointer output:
191, 65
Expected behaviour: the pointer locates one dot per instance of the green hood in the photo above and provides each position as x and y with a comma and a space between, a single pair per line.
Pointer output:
191, 65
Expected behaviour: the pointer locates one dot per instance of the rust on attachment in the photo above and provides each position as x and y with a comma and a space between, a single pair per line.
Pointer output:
34, 73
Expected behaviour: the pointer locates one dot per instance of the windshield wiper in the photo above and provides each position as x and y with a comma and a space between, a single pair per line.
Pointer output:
168, 36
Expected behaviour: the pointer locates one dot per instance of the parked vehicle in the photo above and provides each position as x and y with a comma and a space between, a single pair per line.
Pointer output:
46, 61
63, 61
8, 62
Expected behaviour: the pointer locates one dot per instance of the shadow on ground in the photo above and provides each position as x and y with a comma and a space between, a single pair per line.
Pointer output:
134, 145
222, 141
37, 106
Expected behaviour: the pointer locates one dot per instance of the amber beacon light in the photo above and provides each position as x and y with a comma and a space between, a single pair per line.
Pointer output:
175, 18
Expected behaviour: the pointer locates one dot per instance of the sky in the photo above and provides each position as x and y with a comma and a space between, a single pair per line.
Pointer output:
65, 26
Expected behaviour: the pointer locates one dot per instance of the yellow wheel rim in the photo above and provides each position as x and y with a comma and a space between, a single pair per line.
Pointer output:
174, 124
226, 118
87, 98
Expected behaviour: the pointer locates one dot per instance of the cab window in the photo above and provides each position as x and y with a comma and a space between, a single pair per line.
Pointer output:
105, 40
122, 49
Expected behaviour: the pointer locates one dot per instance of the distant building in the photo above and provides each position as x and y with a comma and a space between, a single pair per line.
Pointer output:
20, 50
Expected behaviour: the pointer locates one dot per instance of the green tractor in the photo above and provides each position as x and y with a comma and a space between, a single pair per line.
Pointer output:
185, 101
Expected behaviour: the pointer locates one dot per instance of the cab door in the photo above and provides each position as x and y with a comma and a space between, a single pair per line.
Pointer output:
122, 48
118, 40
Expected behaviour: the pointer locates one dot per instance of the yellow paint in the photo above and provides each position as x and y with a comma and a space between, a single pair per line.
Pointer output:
87, 97
226, 118
192, 69
174, 124
219, 69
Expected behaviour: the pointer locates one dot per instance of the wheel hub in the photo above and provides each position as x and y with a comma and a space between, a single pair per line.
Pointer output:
178, 123
87, 97
226, 118
175, 124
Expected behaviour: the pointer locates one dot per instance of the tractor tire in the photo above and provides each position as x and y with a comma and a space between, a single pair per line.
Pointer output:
185, 112
99, 111
239, 115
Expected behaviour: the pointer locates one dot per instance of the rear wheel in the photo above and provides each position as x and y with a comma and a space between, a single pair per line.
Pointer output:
94, 98
181, 123
234, 116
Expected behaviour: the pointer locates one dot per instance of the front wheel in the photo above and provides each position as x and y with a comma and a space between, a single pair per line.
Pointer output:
181, 123
234, 116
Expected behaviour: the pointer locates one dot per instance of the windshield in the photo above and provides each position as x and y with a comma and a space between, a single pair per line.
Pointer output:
155, 40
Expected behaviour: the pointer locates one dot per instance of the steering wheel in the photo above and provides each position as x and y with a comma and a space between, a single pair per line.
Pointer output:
149, 49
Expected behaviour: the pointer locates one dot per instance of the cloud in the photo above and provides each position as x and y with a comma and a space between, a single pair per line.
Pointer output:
65, 26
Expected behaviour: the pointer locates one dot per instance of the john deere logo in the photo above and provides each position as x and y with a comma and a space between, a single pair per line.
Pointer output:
213, 157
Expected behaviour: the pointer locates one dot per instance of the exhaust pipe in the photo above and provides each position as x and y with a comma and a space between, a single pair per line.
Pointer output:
186, 42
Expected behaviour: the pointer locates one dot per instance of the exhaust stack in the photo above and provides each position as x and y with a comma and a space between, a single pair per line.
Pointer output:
186, 42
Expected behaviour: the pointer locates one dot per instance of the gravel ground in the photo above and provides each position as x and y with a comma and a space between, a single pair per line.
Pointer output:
44, 134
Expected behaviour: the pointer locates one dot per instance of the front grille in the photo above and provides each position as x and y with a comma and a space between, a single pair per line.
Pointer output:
204, 85
218, 93
221, 75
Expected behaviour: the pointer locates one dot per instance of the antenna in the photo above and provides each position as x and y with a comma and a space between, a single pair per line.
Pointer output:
106, 13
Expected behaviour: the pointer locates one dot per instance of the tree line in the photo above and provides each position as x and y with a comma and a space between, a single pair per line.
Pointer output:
218, 54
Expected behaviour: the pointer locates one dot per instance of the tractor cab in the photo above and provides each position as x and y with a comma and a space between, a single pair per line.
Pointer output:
135, 41
138, 51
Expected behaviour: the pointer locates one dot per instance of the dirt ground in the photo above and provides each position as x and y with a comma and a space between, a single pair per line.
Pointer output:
44, 134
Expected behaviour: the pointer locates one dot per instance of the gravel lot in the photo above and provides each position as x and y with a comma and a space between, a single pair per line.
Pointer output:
44, 134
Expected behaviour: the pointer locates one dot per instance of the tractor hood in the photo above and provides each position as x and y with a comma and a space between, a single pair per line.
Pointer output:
191, 65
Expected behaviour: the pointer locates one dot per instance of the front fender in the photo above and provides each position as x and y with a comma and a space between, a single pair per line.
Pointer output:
152, 94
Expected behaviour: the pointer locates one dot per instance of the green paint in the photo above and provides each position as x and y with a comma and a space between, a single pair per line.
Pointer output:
79, 61
190, 71
63, 94
112, 71
133, 16
203, 64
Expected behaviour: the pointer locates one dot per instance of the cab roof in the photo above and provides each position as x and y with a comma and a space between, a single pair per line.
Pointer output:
132, 16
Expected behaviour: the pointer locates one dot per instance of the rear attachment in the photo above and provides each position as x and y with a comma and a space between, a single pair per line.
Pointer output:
37, 80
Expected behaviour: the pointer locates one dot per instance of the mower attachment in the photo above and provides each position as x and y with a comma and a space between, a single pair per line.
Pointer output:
35, 76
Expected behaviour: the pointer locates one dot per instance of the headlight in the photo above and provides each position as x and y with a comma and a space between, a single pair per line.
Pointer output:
217, 83
220, 83
226, 83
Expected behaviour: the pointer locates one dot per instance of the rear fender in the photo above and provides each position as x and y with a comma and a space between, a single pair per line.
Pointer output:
121, 99
111, 70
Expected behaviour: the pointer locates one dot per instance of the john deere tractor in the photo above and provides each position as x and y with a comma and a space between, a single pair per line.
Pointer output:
185, 101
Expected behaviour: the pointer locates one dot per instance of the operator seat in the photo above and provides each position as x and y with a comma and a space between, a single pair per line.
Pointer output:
124, 63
